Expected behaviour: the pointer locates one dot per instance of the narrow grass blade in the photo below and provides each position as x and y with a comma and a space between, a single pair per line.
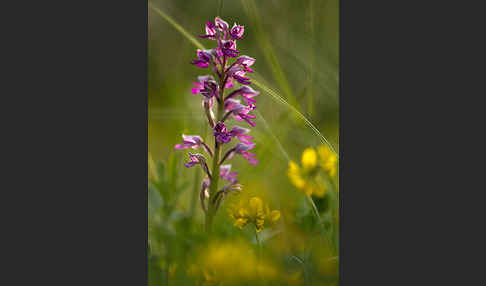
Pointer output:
177, 26
268, 50
267, 127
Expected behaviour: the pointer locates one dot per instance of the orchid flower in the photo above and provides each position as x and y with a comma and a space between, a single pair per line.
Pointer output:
239, 111
230, 69
204, 58
237, 32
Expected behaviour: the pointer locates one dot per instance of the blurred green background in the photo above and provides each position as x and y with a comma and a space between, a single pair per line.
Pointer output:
296, 47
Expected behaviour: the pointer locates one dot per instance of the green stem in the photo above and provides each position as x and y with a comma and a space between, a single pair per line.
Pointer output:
257, 239
195, 194
314, 208
214, 186
319, 221
217, 154
259, 245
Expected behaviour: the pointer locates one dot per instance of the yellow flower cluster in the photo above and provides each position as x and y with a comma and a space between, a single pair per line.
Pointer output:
253, 211
307, 178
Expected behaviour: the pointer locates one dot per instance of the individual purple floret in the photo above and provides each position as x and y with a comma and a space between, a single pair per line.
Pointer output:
246, 92
210, 31
220, 133
204, 58
242, 149
197, 159
206, 86
194, 142
194, 160
224, 172
240, 133
239, 111
237, 32
238, 73
189, 141
246, 62
228, 48
222, 26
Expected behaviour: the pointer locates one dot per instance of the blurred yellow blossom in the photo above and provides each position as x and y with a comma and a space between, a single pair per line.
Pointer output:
309, 159
304, 180
295, 175
232, 262
253, 211
328, 160
307, 178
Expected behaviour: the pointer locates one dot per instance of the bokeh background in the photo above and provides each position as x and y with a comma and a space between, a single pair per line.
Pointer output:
296, 47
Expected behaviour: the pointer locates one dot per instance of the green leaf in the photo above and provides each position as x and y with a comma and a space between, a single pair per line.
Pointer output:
161, 172
155, 201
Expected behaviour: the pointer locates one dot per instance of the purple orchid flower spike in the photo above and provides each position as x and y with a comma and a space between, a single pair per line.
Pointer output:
239, 111
237, 31
246, 92
194, 142
224, 172
210, 31
204, 58
220, 133
230, 70
240, 133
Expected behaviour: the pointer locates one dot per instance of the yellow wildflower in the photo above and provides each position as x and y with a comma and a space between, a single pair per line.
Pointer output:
318, 190
309, 159
295, 176
302, 179
252, 211
233, 262
241, 222
328, 160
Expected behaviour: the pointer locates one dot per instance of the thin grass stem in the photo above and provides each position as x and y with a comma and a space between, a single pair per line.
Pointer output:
314, 208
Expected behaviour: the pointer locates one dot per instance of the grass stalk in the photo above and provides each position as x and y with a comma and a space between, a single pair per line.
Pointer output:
269, 53
314, 208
